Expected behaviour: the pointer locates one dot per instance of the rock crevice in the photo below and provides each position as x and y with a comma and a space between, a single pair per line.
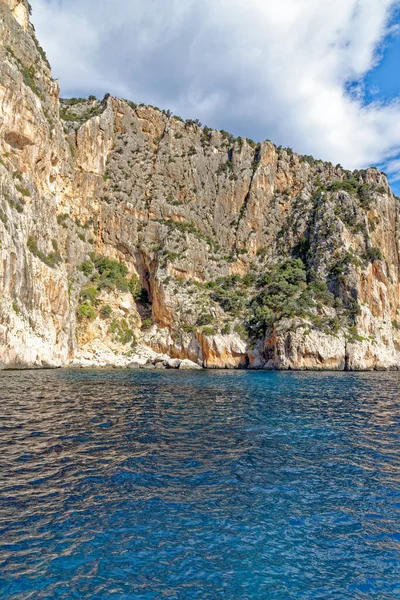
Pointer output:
125, 231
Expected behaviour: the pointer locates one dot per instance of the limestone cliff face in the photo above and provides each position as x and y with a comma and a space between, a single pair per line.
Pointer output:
123, 226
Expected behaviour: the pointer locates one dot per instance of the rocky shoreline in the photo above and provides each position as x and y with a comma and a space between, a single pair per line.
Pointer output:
125, 227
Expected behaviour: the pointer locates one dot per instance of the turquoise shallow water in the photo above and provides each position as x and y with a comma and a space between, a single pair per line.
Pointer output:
168, 485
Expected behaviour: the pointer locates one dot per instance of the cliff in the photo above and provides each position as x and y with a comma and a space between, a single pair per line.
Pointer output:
125, 230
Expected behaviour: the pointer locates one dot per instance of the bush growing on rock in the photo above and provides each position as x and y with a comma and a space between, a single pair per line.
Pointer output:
284, 294
372, 254
109, 274
147, 323
51, 260
135, 286
112, 272
86, 311
348, 185
106, 311
209, 331
204, 319
86, 268
121, 332
226, 329
89, 295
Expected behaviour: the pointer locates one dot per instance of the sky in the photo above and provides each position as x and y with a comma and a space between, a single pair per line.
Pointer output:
319, 76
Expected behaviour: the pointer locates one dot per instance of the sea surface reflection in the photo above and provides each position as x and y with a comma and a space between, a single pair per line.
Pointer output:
169, 485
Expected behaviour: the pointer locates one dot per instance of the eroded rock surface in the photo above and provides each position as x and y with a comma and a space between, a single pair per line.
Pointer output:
127, 234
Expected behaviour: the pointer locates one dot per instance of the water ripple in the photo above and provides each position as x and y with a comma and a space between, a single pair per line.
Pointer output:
181, 486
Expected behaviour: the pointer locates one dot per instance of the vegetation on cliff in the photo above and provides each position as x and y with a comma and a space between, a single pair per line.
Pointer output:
115, 214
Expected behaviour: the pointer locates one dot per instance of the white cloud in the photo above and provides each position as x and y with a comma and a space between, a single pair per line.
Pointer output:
260, 68
393, 169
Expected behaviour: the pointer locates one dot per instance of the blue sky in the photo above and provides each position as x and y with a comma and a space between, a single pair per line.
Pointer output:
383, 81
319, 76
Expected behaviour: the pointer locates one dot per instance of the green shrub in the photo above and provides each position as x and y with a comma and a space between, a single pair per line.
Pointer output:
249, 279
328, 325
231, 301
320, 291
372, 254
171, 256
86, 311
188, 228
110, 267
32, 244
23, 191
333, 325
121, 332
364, 193
342, 264
348, 185
353, 309
264, 317
241, 331
204, 319
86, 267
67, 115
123, 285
302, 248
189, 328
147, 323
228, 292
3, 216
209, 331
62, 219
111, 273
283, 294
359, 228
135, 286
106, 311
226, 329
89, 295
353, 335
29, 77
51, 260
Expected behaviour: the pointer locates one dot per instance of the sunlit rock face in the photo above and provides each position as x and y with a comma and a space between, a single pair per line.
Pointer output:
221, 251
20, 11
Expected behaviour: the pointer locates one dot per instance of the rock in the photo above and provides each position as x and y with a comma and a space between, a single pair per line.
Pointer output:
189, 365
108, 178
126, 307
173, 363
149, 366
160, 366
256, 356
133, 365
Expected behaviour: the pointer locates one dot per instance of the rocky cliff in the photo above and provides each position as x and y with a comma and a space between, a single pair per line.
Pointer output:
125, 231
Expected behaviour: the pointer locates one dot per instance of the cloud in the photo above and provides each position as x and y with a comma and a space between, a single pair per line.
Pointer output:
290, 71
393, 169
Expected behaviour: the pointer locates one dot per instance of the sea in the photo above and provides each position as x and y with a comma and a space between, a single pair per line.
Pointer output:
234, 485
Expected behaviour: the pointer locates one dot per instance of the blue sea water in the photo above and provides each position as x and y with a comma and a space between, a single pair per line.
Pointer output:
176, 485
